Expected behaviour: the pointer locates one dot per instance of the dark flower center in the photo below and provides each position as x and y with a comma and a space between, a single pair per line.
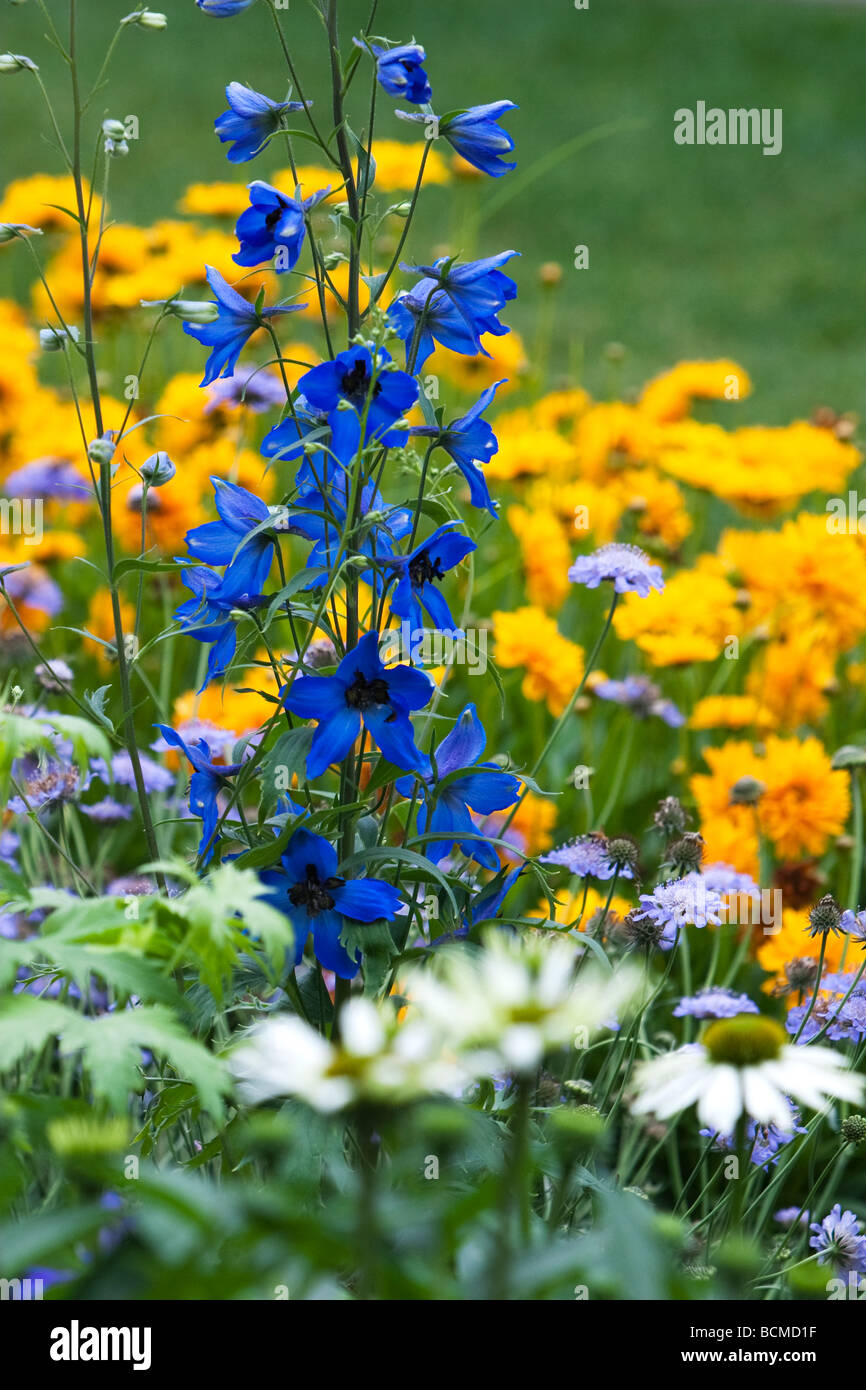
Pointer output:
356, 383
275, 214
422, 569
313, 894
361, 694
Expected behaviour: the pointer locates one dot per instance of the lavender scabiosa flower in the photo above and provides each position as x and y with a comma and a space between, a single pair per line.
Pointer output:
787, 1215
107, 811
840, 1009
679, 903
767, 1140
839, 1240
586, 856
156, 778
45, 782
854, 924
715, 1002
627, 567
49, 478
247, 387
640, 695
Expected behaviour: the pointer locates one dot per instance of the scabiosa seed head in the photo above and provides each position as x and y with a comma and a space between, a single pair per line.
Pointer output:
640, 933
854, 1129
747, 791
825, 916
622, 852
800, 974
670, 817
686, 853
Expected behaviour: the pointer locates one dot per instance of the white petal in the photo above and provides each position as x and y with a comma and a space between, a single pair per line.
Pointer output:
764, 1101
721, 1105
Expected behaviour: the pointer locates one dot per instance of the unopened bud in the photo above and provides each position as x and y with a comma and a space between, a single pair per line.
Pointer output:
101, 450
16, 62
56, 339
11, 231
146, 19
158, 469
189, 310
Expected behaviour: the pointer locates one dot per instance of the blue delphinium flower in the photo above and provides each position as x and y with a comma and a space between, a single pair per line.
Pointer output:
207, 616
640, 695
421, 570
626, 566
400, 71
250, 121
470, 441
374, 386
324, 516
475, 134
307, 888
586, 857
484, 790
273, 226
361, 691
479, 139
715, 1002
223, 9
839, 1240
207, 781
224, 542
453, 305
231, 330
485, 906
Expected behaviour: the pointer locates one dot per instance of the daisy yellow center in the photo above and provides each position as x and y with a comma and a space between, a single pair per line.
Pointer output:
744, 1041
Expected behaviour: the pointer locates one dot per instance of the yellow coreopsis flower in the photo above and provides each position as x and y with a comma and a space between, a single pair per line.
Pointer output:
800, 576
690, 621
544, 553
554, 665
30, 200
670, 395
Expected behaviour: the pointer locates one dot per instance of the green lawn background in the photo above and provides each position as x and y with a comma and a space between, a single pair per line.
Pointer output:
693, 251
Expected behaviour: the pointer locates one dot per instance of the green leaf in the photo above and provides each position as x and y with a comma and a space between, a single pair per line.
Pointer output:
140, 566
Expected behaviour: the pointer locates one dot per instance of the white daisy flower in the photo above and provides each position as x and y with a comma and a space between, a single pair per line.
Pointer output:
506, 1006
377, 1060
743, 1066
